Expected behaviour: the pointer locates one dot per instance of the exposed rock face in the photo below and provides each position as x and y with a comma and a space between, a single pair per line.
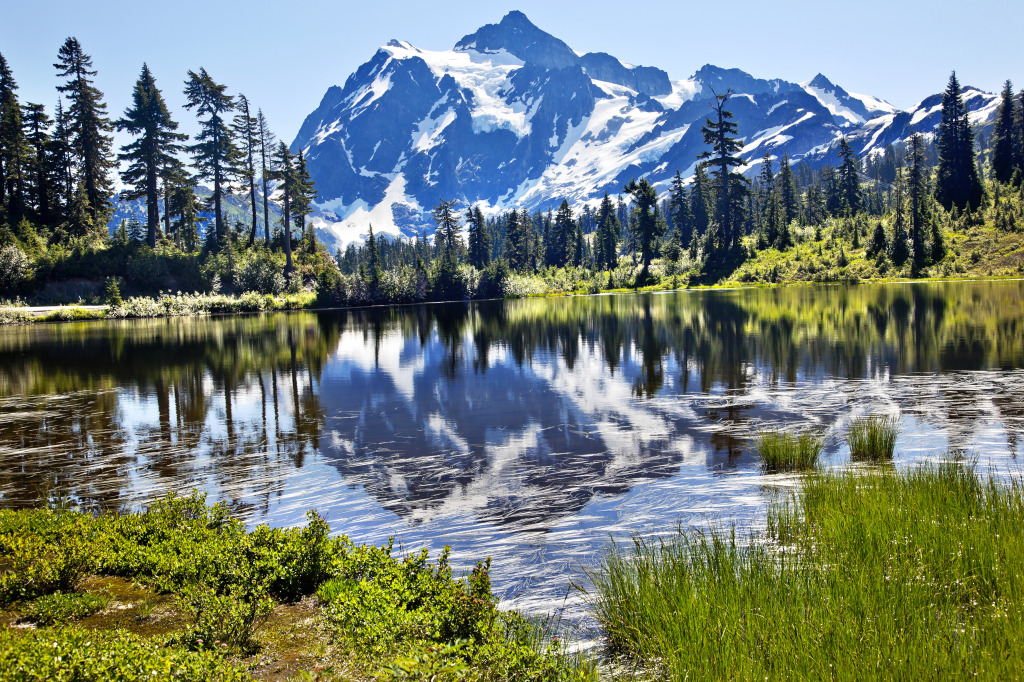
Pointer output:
512, 117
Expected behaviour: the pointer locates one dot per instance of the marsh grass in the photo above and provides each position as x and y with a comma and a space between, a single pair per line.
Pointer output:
780, 450
883, 574
873, 439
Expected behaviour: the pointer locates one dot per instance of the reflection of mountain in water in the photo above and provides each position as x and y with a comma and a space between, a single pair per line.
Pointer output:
517, 413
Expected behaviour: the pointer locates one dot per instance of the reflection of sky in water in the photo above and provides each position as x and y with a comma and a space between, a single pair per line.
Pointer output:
531, 432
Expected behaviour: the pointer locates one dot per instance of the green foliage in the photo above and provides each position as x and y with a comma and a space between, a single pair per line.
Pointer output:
873, 438
73, 655
880, 575
228, 620
780, 450
61, 607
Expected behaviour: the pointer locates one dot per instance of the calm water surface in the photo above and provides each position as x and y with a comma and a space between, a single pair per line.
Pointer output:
530, 431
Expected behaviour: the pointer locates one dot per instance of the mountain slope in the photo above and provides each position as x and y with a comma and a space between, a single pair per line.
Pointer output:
513, 117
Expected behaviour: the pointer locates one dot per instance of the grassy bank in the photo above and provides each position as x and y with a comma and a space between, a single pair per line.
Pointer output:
894, 575
183, 591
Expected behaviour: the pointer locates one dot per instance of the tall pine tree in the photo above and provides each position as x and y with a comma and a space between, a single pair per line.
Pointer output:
1004, 148
479, 239
730, 187
957, 182
152, 150
214, 150
88, 126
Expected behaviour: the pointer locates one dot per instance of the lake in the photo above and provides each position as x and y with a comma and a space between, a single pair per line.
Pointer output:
533, 431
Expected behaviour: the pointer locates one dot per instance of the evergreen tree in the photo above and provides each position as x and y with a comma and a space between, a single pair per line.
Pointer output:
730, 186
267, 142
788, 198
245, 128
606, 242
1004, 153
87, 125
700, 201
917, 181
769, 223
37, 137
284, 173
562, 247
303, 194
61, 163
479, 239
679, 212
848, 180
214, 150
957, 182
156, 143
517, 242
878, 243
646, 223
13, 151
446, 236
372, 258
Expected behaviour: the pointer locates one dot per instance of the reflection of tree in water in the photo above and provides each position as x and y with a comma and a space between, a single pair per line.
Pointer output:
160, 397
518, 412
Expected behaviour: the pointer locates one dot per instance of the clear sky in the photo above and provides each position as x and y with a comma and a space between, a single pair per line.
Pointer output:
285, 54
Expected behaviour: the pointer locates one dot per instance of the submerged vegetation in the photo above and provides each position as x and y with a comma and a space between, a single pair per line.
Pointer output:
368, 611
884, 574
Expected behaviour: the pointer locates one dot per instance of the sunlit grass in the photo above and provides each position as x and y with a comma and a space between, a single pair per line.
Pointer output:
883, 574
780, 450
873, 438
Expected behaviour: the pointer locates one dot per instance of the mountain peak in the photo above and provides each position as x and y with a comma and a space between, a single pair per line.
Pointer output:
822, 83
518, 36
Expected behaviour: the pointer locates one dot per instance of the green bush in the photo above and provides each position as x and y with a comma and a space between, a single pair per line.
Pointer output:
74, 655
228, 620
61, 607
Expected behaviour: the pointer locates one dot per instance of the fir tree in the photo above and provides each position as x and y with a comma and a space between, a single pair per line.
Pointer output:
214, 150
303, 194
446, 238
1004, 153
769, 227
87, 125
61, 163
679, 212
730, 186
646, 224
787, 192
267, 142
245, 128
917, 189
878, 244
606, 242
156, 143
562, 246
517, 242
284, 173
957, 182
700, 201
848, 180
13, 151
37, 137
479, 239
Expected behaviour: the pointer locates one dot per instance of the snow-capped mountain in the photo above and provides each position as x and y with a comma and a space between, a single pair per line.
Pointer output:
513, 117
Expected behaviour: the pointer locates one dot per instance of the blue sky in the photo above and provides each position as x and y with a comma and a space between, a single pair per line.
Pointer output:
284, 55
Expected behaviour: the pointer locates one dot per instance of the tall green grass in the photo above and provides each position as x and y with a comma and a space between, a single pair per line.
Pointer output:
887, 574
780, 450
873, 438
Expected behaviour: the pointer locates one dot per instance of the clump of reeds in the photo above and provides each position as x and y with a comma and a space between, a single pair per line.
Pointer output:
784, 451
873, 439
881, 574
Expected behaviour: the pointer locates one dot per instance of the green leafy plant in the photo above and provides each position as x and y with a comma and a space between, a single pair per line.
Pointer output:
61, 607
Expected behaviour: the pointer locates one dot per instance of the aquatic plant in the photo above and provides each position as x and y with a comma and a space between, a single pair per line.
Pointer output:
873, 438
780, 450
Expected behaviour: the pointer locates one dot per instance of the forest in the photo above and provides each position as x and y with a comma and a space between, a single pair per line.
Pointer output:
225, 213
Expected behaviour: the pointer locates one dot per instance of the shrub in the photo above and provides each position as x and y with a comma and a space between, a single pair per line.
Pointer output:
75, 654
61, 607
228, 620
782, 451
261, 272
15, 268
873, 438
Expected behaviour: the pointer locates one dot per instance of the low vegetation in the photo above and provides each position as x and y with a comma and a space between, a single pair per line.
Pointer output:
884, 574
779, 450
224, 594
873, 438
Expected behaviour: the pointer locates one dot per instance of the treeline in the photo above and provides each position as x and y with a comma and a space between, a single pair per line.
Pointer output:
57, 177
896, 207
